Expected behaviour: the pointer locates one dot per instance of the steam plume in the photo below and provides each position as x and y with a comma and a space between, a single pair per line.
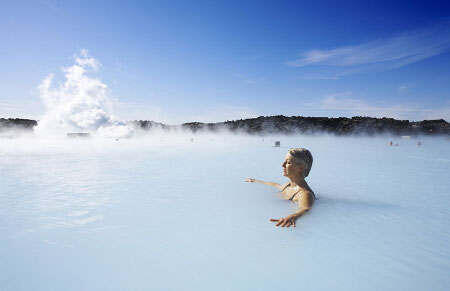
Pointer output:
80, 103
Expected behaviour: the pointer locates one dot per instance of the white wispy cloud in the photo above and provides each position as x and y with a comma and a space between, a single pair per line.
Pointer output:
383, 54
342, 104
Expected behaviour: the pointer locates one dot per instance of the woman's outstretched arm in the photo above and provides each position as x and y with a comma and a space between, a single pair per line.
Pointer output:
273, 184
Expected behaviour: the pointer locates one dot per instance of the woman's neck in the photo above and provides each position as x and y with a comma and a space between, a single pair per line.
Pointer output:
298, 181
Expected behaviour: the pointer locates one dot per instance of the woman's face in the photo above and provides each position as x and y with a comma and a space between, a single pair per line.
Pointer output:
290, 168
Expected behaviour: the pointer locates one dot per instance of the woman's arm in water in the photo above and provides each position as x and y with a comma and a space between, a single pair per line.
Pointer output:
276, 185
304, 206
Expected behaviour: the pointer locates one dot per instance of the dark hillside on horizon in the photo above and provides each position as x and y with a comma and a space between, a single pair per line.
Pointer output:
280, 124
339, 126
17, 123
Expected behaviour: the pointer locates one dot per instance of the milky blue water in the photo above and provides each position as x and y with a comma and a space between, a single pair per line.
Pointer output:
165, 213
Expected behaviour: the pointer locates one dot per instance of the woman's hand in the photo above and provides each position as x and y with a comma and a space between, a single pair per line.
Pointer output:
250, 180
286, 221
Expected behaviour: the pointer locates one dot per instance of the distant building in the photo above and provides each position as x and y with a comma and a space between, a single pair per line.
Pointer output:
78, 134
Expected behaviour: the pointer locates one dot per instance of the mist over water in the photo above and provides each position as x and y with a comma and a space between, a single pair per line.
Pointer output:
79, 104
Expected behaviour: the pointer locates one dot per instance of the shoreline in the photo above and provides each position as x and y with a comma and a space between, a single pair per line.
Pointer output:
280, 124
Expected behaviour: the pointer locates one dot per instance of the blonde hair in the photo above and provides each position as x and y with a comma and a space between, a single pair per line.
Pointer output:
304, 157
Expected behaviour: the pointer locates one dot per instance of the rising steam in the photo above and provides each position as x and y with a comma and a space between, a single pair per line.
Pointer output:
80, 103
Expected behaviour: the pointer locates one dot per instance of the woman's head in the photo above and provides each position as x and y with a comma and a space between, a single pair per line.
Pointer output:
298, 160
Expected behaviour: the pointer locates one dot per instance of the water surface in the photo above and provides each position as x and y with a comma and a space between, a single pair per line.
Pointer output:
166, 213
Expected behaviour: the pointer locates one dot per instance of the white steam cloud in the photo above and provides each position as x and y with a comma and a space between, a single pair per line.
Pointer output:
80, 103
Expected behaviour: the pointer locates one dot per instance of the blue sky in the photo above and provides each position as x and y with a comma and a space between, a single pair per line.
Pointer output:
178, 61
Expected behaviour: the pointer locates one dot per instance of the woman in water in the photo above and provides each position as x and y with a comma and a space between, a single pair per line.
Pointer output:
296, 167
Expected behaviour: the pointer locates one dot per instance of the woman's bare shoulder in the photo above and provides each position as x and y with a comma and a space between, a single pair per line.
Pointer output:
305, 198
304, 193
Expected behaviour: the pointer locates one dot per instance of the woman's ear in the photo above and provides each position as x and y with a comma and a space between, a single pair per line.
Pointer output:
301, 168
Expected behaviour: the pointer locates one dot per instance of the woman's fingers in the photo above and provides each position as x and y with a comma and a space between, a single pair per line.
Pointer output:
284, 222
280, 222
